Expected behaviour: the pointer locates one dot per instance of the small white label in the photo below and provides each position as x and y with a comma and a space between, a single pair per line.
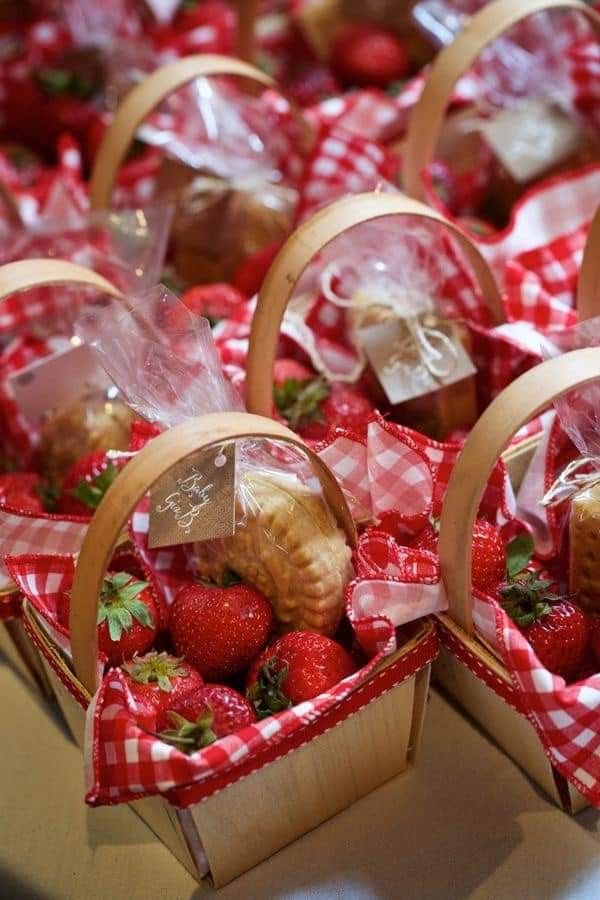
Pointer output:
401, 364
532, 138
56, 380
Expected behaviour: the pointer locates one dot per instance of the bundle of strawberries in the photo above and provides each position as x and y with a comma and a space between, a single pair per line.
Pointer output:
271, 575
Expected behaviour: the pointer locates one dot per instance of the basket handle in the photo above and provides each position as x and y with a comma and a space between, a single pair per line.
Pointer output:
521, 401
291, 261
138, 476
146, 96
246, 42
481, 29
588, 286
30, 273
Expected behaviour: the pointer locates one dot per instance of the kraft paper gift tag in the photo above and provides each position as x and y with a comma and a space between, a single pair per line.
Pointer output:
400, 363
195, 500
532, 138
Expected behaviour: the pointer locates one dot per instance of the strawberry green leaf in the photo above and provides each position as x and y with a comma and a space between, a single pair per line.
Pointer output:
266, 694
90, 492
119, 605
519, 553
156, 668
190, 736
141, 612
48, 496
299, 402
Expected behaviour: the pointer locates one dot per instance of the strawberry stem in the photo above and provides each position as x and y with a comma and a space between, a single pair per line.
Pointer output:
190, 736
119, 605
156, 668
266, 694
90, 492
299, 402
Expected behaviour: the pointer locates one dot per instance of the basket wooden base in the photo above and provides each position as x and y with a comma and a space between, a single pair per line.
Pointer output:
23, 657
507, 727
248, 821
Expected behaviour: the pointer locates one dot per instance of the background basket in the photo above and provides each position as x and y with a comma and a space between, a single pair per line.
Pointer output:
559, 205
245, 817
15, 278
307, 241
468, 669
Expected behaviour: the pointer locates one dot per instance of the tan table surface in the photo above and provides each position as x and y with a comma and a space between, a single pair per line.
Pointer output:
464, 824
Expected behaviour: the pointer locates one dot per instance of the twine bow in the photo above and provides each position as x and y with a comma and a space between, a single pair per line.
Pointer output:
409, 306
571, 480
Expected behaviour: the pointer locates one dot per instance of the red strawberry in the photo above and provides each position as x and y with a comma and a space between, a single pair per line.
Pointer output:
290, 370
312, 407
363, 53
488, 552
22, 491
219, 630
558, 631
297, 667
209, 713
127, 617
215, 301
311, 84
86, 483
250, 275
159, 681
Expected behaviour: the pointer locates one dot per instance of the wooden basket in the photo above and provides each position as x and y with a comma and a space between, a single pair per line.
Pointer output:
467, 669
255, 812
14, 278
197, 257
427, 119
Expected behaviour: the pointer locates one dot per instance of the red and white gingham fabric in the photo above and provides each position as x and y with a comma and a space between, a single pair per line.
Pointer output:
401, 471
25, 534
341, 163
564, 716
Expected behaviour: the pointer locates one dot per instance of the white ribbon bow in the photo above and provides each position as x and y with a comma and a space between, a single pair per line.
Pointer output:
571, 480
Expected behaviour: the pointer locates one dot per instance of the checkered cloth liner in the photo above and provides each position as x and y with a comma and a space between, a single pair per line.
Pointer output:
564, 716
401, 471
341, 163
380, 117
130, 762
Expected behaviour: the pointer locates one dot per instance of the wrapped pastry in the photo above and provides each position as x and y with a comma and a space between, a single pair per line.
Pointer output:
221, 222
282, 538
84, 426
290, 548
224, 176
584, 534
